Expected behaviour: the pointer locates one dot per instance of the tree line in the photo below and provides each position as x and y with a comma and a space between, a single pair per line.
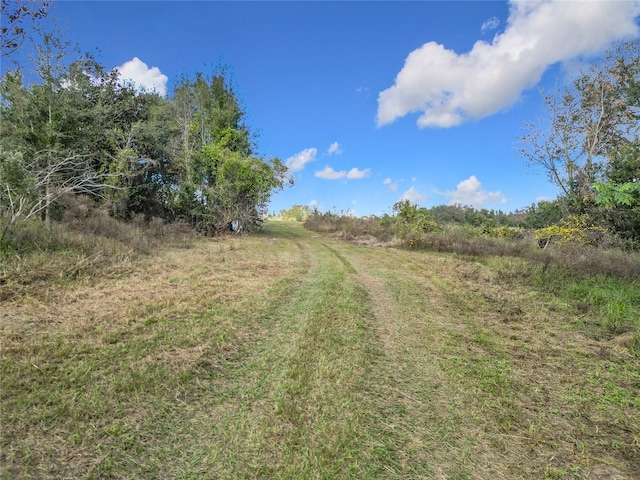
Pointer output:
77, 128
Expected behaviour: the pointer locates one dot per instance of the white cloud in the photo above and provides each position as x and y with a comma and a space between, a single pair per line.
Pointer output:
413, 196
329, 173
469, 192
334, 148
490, 24
356, 174
297, 162
138, 72
391, 185
450, 88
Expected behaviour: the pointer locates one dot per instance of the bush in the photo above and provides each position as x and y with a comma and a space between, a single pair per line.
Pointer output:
575, 229
511, 233
573, 251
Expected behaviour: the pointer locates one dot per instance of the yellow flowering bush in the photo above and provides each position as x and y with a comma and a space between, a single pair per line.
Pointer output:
574, 229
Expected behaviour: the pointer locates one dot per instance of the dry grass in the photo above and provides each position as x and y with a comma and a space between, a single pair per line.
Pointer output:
88, 244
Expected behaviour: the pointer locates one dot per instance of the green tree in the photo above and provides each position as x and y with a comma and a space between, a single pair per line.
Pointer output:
139, 143
243, 189
57, 127
412, 219
586, 124
218, 178
78, 129
543, 214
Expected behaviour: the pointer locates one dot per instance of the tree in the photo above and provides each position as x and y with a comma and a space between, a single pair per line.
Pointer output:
412, 219
543, 214
243, 189
15, 14
217, 177
138, 143
50, 130
586, 125
79, 129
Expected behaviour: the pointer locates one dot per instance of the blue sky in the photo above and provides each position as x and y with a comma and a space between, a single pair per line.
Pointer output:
371, 102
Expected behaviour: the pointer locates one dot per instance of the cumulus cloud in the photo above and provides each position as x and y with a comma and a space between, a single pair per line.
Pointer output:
413, 196
329, 173
334, 148
143, 77
297, 162
356, 174
470, 192
391, 185
450, 88
490, 24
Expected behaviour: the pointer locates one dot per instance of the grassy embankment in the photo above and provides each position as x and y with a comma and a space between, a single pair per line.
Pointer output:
294, 355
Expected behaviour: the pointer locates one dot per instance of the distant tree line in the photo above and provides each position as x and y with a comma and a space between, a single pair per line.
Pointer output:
78, 129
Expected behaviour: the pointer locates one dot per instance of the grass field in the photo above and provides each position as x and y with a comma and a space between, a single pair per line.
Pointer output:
293, 355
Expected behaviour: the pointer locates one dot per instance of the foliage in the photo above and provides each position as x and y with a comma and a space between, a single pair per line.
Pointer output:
611, 195
298, 213
412, 219
17, 17
217, 177
79, 129
17, 186
467, 215
589, 146
572, 241
572, 229
540, 215
503, 232
243, 187
587, 123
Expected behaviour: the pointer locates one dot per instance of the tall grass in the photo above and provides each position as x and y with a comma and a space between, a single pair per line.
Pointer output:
87, 242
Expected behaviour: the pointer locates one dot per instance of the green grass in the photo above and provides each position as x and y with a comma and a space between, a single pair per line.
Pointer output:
292, 355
